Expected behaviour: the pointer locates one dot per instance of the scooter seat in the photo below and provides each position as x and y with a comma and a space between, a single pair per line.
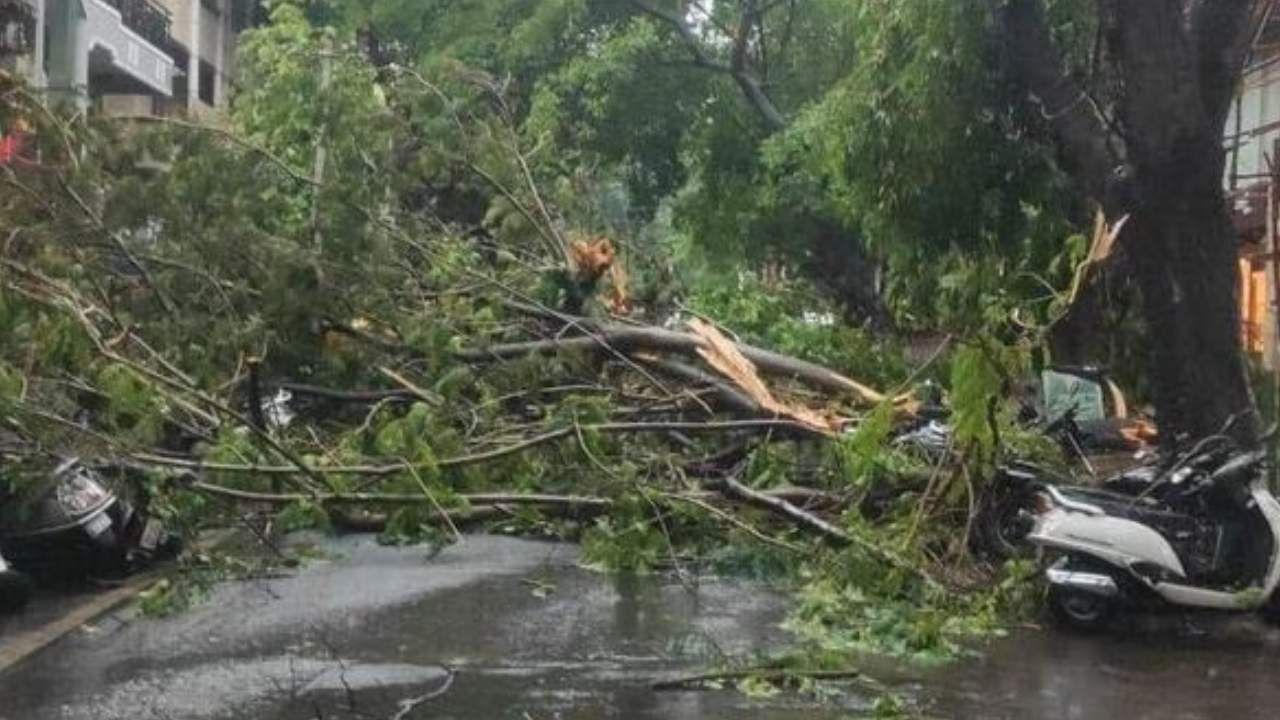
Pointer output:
1107, 499
1184, 533
1140, 509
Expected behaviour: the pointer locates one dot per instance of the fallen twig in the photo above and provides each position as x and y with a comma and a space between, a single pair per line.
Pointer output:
767, 674
729, 518
475, 458
440, 511
414, 390
782, 507
826, 529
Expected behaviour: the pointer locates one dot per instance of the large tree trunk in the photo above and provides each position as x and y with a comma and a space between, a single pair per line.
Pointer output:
1184, 251
1151, 149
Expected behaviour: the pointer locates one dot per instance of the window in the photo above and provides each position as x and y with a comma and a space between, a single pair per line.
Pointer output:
208, 81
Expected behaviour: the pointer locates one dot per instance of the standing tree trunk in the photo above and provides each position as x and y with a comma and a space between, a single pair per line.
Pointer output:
840, 262
1149, 146
1185, 262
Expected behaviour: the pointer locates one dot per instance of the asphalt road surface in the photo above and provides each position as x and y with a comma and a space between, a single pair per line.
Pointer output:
498, 628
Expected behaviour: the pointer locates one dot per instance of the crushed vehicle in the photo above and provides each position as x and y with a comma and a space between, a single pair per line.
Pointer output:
1084, 410
1080, 407
67, 525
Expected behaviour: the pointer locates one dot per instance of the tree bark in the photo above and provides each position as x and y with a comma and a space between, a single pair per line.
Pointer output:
1160, 161
1185, 254
840, 262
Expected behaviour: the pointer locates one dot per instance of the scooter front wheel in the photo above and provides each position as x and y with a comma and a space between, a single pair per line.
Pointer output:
1003, 526
1080, 610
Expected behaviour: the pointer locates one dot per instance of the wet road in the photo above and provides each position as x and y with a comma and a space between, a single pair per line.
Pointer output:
499, 628
1158, 669
515, 628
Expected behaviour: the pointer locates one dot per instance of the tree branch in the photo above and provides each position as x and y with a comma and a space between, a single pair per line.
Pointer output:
746, 81
1038, 66
358, 397
831, 532
626, 337
575, 501
318, 471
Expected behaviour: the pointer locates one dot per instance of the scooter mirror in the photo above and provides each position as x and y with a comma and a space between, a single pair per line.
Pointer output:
1240, 465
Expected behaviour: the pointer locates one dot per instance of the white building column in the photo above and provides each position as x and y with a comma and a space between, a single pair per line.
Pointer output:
38, 78
68, 78
193, 60
220, 52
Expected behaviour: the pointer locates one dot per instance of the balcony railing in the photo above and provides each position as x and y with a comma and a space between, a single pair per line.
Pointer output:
144, 17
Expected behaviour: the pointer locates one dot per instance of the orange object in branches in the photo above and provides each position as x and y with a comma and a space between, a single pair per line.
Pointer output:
619, 299
14, 142
591, 258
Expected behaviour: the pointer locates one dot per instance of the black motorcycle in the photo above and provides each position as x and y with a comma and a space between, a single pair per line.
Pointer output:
68, 525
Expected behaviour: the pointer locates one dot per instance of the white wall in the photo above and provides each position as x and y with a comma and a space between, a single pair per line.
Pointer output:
208, 32
180, 13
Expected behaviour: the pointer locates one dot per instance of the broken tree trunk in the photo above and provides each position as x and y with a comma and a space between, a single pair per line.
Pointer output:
631, 338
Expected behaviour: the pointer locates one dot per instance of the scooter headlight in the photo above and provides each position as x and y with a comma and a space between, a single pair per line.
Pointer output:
78, 494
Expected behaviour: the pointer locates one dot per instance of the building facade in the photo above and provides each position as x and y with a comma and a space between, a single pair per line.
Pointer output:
1252, 144
125, 57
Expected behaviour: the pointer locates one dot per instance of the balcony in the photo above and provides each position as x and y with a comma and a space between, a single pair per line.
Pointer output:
128, 41
149, 20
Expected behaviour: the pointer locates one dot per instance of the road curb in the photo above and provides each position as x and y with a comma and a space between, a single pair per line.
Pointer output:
33, 641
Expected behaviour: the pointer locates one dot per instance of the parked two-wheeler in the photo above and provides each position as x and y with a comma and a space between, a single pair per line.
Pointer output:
1203, 535
68, 525
1003, 518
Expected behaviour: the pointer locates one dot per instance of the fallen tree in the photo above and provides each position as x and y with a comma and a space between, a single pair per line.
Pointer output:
442, 376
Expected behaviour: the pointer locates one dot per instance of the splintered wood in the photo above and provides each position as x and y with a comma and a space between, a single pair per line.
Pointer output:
723, 355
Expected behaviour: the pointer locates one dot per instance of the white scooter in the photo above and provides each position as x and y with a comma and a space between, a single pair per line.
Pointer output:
1204, 536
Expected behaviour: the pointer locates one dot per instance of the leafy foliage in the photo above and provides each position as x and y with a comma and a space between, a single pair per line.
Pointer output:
395, 179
